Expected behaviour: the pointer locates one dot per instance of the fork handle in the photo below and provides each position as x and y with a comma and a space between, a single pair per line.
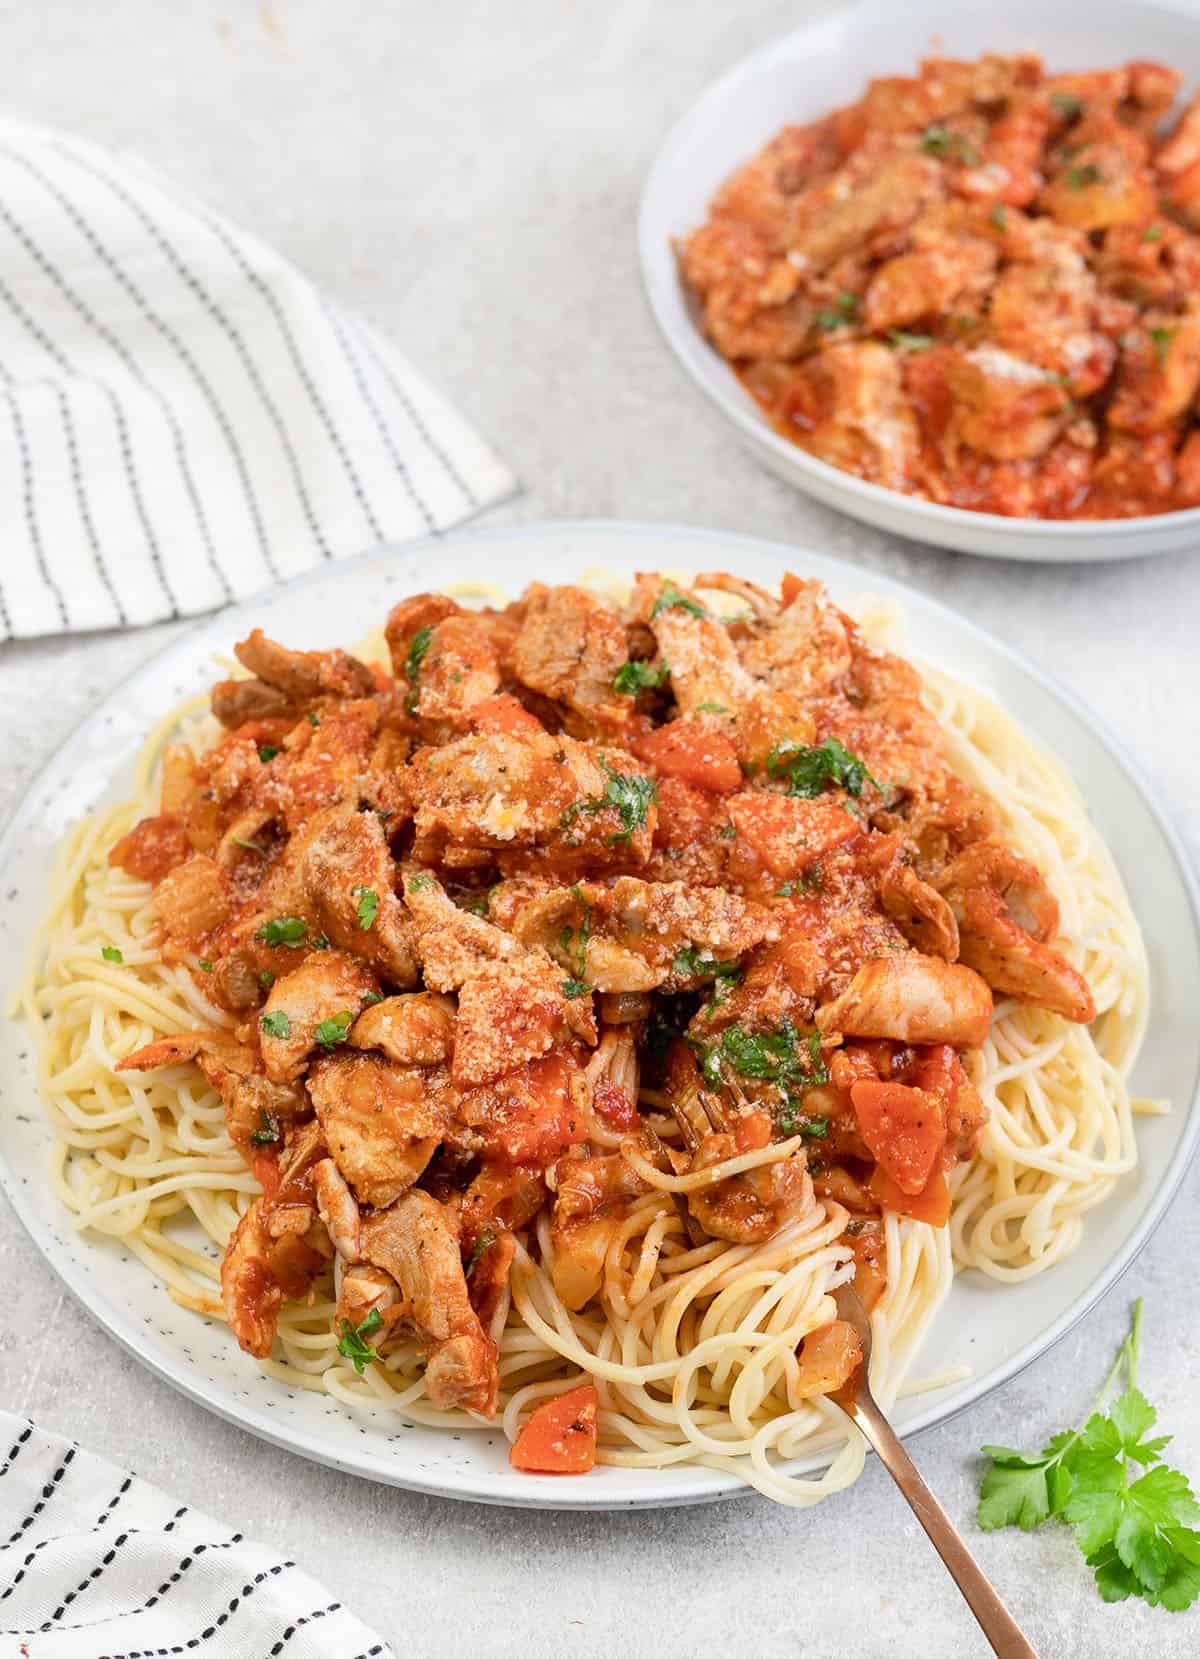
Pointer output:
1002, 1631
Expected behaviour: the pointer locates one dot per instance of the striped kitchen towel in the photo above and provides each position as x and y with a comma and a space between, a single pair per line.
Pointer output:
184, 418
101, 1565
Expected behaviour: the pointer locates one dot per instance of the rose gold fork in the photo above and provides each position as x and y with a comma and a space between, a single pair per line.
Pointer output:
857, 1401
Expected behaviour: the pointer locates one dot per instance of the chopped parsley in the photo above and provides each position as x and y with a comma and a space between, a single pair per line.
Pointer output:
1152, 233
808, 881
266, 752
484, 1242
268, 1133
628, 793
266, 978
1078, 178
998, 216
110, 953
937, 140
418, 883
671, 598
903, 341
204, 965
690, 964
572, 988
581, 987
1065, 104
276, 1024
314, 719
250, 846
711, 708
1161, 338
283, 930
334, 1029
778, 1057
633, 677
371, 998
792, 1121
727, 832
842, 313
418, 646
807, 770
368, 905
354, 1345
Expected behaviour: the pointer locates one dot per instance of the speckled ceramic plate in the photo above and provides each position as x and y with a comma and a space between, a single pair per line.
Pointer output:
995, 1329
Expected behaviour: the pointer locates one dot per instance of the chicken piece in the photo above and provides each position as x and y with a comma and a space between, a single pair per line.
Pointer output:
1105, 181
1044, 310
458, 670
703, 658
413, 1030
530, 1115
593, 1200
922, 914
659, 919
805, 650
303, 676
867, 204
416, 1242
192, 900
498, 793
754, 307
365, 1291
257, 1111
313, 1005
513, 1011
236, 701
1006, 408
1005, 914
570, 648
452, 944
850, 409
413, 620
350, 880
928, 282
912, 999
322, 763
338, 1209
382, 1122
763, 192
1158, 372
266, 1264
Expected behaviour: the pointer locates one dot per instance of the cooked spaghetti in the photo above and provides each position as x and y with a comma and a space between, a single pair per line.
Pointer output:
542, 1026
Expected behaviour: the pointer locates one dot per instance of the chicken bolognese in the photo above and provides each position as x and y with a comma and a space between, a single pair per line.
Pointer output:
542, 1015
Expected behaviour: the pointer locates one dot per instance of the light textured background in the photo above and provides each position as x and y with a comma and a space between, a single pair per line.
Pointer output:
466, 174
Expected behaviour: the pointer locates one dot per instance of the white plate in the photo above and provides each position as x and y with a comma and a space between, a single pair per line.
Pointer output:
811, 72
995, 1329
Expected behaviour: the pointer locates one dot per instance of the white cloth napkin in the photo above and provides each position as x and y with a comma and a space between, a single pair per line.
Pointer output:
101, 1565
184, 419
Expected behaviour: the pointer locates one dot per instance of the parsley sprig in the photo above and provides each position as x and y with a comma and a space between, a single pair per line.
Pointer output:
1135, 1533
368, 905
577, 985
283, 930
354, 1345
782, 1057
671, 598
418, 646
633, 677
628, 792
807, 770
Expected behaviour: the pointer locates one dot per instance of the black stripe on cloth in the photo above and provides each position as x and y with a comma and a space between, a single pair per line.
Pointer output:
31, 518
298, 363
152, 1601
131, 364
14, 1451
414, 415
309, 1618
381, 425
209, 1631
48, 1492
104, 1516
97, 1571
233, 335
114, 402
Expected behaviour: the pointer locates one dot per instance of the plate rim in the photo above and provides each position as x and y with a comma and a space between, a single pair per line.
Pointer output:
719, 1487
754, 426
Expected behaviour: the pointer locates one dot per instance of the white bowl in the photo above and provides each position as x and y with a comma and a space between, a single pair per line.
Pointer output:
823, 65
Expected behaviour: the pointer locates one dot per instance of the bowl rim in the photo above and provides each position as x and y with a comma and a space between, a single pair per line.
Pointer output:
253, 1419
750, 421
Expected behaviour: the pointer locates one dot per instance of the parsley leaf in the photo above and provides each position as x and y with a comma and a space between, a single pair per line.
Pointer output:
998, 216
903, 341
572, 988
276, 1024
418, 646
670, 598
368, 905
1135, 1533
266, 752
1161, 338
689, 964
628, 792
418, 883
268, 1134
204, 965
937, 140
711, 708
633, 677
334, 1029
484, 1242
1065, 104
807, 770
843, 313
110, 953
778, 1057
283, 930
810, 880
1079, 177
1152, 233
354, 1346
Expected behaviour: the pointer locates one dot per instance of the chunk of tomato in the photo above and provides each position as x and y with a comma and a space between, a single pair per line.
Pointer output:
787, 832
559, 1437
904, 1129
694, 752
931, 1204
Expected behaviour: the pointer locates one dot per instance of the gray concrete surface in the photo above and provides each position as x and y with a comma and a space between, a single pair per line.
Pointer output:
466, 174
